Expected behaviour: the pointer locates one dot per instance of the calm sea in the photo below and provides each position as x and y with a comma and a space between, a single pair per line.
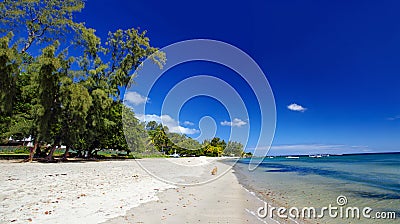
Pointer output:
371, 180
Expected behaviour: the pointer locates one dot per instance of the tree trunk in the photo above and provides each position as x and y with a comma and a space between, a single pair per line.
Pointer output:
38, 151
32, 151
49, 157
65, 156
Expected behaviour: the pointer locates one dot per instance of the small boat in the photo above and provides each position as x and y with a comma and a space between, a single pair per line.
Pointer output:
271, 157
292, 157
316, 156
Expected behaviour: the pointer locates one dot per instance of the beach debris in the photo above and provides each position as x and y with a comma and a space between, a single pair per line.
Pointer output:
81, 195
214, 171
57, 174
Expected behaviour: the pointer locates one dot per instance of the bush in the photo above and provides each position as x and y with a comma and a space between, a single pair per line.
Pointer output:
22, 150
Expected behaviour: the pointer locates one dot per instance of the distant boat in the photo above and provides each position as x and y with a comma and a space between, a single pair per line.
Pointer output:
271, 157
318, 156
292, 157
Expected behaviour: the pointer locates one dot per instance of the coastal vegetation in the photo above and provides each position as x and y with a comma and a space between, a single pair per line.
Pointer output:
60, 84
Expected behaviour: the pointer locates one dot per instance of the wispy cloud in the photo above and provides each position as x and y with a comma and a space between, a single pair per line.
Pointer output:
296, 107
188, 123
393, 118
235, 123
135, 98
168, 121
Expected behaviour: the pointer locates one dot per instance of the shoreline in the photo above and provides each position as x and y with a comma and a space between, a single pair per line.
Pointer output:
262, 198
223, 200
319, 183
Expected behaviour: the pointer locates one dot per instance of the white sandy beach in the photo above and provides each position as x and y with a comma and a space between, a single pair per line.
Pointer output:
88, 192
111, 192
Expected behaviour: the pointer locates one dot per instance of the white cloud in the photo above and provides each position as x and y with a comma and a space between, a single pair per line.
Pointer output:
235, 123
188, 123
168, 121
135, 98
296, 107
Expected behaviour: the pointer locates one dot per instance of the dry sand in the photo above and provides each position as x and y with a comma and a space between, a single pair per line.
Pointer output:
220, 201
88, 192
122, 192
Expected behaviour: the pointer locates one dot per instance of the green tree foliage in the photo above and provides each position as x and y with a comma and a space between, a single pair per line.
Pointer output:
160, 139
151, 125
75, 100
127, 49
43, 97
135, 133
10, 62
168, 143
233, 149
41, 21
213, 150
46, 74
21, 118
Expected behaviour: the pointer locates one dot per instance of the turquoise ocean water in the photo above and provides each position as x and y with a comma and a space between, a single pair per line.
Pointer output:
369, 180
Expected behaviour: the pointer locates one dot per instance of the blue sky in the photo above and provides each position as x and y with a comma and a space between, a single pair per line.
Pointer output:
338, 59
